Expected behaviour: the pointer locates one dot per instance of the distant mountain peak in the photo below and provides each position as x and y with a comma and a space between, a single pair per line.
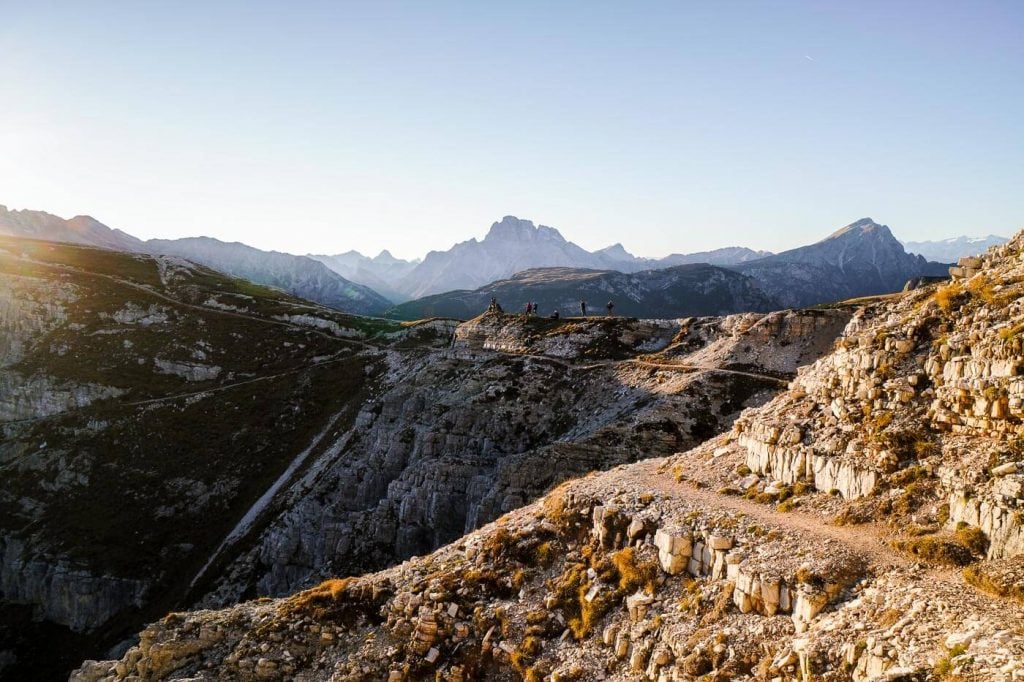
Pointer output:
513, 229
951, 249
864, 226
616, 252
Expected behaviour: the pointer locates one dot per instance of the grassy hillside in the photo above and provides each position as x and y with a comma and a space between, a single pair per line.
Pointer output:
167, 398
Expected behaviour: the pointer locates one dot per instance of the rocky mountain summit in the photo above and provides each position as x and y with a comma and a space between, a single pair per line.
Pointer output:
510, 246
514, 245
861, 259
864, 524
680, 291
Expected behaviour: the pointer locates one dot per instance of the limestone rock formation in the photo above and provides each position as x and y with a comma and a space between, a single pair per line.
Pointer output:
864, 524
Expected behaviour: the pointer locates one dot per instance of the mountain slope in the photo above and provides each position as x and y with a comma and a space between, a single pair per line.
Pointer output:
298, 275
865, 524
145, 403
295, 274
77, 230
861, 259
680, 291
953, 249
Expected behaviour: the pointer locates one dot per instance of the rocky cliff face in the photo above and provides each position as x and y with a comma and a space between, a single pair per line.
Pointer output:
864, 524
928, 381
29, 310
515, 405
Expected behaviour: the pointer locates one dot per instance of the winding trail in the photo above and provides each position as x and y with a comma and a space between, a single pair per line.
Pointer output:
869, 540
866, 539
641, 361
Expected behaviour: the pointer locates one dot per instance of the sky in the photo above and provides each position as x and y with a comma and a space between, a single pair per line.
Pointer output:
666, 126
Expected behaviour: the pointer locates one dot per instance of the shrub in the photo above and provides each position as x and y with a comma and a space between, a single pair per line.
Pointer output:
935, 549
1002, 578
944, 666
802, 488
971, 537
947, 297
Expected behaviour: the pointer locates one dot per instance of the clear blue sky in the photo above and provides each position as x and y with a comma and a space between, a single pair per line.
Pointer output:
324, 126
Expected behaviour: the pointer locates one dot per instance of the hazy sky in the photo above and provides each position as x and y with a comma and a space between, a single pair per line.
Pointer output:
325, 126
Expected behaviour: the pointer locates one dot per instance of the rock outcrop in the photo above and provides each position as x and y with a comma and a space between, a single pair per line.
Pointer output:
601, 580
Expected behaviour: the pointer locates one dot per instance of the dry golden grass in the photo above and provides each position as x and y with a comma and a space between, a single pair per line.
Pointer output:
318, 602
634, 572
1003, 578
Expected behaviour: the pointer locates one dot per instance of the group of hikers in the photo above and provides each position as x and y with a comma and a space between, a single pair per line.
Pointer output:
530, 309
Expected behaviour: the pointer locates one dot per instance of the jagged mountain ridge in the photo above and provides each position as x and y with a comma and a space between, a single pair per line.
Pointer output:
674, 292
861, 259
821, 538
513, 245
299, 275
953, 249
296, 274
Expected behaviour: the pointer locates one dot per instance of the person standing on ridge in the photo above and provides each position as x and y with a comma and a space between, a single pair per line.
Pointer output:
609, 306
583, 308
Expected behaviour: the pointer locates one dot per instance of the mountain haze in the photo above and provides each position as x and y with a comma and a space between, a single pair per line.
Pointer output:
78, 230
380, 273
952, 249
860, 259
